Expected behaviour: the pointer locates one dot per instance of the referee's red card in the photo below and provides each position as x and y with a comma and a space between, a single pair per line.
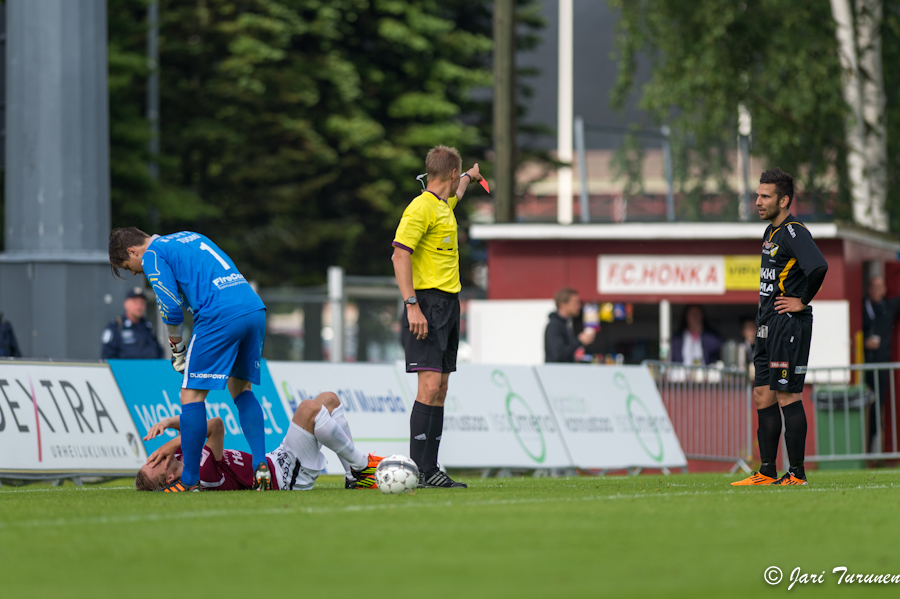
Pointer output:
484, 184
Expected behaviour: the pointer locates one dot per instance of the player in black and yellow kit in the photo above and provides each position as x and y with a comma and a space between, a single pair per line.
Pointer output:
426, 262
790, 275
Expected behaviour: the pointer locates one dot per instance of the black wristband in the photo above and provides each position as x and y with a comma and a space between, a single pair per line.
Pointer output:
465, 175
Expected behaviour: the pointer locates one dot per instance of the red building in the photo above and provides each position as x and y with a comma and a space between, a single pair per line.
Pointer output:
659, 268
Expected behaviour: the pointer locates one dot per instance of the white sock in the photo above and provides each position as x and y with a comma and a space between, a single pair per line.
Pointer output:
338, 416
330, 434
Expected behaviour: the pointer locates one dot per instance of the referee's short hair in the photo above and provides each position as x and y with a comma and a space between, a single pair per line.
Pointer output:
564, 295
784, 183
440, 162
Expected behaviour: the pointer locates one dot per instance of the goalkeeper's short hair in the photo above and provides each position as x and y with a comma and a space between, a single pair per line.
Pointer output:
119, 241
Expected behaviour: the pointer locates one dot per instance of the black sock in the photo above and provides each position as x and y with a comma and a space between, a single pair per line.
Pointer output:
767, 435
418, 432
795, 436
435, 430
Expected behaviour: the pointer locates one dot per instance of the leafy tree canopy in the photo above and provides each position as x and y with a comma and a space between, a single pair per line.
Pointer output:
777, 57
292, 130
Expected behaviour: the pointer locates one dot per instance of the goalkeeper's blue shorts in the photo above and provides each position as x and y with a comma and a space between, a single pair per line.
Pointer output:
234, 349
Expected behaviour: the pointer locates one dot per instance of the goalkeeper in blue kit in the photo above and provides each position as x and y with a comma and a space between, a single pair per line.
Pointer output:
187, 270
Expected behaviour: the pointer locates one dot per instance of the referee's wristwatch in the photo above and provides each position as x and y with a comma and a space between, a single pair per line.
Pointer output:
411, 301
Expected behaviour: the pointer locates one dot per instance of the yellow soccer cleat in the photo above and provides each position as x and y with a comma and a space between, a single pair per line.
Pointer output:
365, 478
754, 479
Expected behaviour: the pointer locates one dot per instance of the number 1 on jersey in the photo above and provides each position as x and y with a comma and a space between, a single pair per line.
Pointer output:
224, 264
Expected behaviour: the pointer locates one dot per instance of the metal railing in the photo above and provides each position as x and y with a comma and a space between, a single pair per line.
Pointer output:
855, 416
710, 409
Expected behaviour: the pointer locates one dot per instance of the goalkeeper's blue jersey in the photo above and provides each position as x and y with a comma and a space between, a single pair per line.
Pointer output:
188, 270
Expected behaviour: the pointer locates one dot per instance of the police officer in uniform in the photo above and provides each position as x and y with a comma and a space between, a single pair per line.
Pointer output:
9, 347
131, 336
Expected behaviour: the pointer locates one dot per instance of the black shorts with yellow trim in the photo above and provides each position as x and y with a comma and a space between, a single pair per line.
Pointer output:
437, 351
781, 355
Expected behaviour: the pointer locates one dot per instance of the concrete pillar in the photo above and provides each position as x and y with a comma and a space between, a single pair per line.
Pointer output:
55, 283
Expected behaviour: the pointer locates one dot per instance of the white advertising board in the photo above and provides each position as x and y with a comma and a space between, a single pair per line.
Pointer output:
497, 416
611, 417
376, 402
830, 344
65, 418
640, 274
508, 331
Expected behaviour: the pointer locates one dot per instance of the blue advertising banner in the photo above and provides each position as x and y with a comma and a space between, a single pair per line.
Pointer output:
152, 391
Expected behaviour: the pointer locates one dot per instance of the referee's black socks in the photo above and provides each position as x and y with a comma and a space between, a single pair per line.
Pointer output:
435, 431
426, 425
419, 420
795, 436
767, 435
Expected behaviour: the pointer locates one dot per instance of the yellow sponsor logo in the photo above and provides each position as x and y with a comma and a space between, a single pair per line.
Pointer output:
742, 273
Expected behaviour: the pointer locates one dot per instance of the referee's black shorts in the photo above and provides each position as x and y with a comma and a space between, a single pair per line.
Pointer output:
437, 351
782, 353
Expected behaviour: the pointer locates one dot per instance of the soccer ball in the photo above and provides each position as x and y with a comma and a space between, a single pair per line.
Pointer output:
396, 474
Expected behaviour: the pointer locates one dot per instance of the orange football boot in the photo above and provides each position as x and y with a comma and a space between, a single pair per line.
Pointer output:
754, 479
790, 479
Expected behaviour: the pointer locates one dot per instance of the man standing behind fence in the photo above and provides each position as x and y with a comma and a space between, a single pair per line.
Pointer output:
426, 263
790, 275
879, 314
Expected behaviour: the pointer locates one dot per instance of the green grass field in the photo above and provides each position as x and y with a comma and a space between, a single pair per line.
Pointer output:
645, 536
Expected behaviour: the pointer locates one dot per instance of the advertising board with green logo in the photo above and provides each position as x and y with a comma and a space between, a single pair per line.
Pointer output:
376, 402
497, 416
611, 417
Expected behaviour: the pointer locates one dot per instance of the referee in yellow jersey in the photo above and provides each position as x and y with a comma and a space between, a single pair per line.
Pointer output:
426, 262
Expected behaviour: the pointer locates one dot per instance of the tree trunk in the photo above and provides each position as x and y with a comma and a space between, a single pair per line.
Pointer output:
874, 102
854, 124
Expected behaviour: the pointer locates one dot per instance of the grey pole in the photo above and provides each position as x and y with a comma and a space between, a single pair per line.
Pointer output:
745, 127
153, 85
55, 282
670, 185
504, 110
582, 169
336, 302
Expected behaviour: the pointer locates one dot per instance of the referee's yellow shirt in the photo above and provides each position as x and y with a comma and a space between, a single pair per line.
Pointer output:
428, 230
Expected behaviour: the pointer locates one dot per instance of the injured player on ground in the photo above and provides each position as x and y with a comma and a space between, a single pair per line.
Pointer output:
295, 464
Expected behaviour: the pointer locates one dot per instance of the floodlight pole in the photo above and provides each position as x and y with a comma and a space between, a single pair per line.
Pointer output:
153, 86
504, 109
744, 130
582, 170
564, 126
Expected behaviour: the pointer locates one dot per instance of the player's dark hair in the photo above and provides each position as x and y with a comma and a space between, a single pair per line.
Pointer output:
143, 482
440, 162
564, 295
119, 241
784, 183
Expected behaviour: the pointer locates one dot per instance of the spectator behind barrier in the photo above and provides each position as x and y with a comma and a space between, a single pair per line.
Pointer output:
560, 342
131, 336
747, 345
9, 347
879, 315
695, 344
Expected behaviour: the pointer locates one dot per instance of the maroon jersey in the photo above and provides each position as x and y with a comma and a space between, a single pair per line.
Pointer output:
234, 472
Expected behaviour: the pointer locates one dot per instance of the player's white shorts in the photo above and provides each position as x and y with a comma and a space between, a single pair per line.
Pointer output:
298, 460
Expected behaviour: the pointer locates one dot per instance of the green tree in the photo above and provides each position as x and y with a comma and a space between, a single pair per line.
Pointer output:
298, 126
777, 57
